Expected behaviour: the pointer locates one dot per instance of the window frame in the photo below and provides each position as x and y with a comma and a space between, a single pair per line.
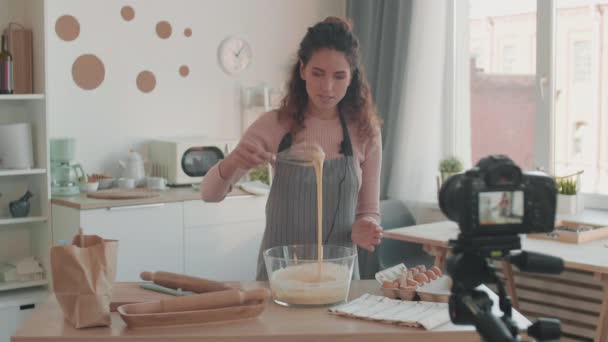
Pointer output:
544, 149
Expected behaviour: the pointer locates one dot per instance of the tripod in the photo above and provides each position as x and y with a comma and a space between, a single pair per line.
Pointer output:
469, 267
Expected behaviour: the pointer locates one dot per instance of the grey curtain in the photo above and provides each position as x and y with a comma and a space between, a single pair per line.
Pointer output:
383, 28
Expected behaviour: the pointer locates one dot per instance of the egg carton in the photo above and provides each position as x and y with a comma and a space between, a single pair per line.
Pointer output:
418, 284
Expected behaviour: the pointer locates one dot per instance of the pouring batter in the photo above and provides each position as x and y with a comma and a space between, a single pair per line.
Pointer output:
328, 102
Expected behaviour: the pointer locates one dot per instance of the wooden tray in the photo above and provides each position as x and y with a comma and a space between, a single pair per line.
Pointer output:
144, 315
566, 236
122, 194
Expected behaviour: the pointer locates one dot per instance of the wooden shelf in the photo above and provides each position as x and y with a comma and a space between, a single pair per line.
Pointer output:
6, 221
22, 284
21, 97
22, 172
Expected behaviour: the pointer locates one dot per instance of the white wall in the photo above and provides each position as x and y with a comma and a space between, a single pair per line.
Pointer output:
116, 116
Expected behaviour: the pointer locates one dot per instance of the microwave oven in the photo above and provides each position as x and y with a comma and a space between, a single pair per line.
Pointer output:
183, 161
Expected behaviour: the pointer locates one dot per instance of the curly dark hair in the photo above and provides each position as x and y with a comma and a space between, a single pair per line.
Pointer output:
357, 105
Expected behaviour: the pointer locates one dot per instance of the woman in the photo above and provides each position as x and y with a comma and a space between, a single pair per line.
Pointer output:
328, 103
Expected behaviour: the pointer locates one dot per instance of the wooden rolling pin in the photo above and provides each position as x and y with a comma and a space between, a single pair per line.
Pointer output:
184, 282
213, 300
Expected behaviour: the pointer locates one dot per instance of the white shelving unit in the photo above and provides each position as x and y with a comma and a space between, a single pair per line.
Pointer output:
22, 172
22, 284
21, 97
28, 236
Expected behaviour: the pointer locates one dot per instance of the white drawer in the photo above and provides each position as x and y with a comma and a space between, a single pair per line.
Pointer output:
230, 210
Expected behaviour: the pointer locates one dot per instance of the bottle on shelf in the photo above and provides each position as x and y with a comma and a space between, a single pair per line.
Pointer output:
6, 68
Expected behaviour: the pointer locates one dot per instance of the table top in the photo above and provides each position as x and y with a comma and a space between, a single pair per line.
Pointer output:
591, 256
276, 323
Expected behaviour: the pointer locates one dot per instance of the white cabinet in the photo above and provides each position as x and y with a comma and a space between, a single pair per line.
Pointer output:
212, 240
150, 236
15, 307
222, 240
30, 235
224, 251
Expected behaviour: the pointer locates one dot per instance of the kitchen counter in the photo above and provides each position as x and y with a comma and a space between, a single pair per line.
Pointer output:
82, 202
276, 323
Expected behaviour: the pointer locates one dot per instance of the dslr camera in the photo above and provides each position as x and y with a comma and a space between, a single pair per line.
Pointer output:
497, 198
493, 203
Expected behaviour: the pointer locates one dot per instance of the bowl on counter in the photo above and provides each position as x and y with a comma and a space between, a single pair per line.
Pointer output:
88, 187
298, 278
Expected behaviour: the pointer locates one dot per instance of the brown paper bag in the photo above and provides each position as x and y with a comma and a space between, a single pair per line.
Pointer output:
83, 273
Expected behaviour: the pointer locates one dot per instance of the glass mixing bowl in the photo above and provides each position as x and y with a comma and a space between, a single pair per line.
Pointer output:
297, 278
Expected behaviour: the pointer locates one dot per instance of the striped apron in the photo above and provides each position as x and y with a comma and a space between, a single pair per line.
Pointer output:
291, 210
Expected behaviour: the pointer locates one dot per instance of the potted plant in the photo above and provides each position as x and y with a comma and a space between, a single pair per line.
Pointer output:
449, 167
260, 173
569, 202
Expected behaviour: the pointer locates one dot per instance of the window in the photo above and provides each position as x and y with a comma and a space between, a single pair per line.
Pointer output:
513, 111
508, 58
581, 61
503, 98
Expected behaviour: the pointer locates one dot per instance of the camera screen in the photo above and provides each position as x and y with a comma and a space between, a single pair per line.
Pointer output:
501, 207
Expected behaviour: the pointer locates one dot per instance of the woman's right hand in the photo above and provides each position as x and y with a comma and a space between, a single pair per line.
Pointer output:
245, 156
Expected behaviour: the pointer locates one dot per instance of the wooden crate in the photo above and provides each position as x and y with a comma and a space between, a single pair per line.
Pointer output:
572, 236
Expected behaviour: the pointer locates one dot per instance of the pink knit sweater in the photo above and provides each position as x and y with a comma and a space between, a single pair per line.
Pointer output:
267, 132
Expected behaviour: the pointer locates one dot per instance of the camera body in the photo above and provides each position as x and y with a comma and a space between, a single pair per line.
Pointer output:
496, 198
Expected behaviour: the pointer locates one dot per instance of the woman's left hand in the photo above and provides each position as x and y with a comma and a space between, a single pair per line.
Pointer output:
366, 233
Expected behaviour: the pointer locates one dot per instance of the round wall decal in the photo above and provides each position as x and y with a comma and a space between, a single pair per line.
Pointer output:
127, 13
163, 29
146, 81
67, 28
188, 32
88, 71
184, 70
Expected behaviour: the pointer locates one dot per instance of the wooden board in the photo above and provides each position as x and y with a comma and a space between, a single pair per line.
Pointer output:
598, 233
130, 293
122, 194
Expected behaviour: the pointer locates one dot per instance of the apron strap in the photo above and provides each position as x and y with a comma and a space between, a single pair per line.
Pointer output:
285, 142
346, 147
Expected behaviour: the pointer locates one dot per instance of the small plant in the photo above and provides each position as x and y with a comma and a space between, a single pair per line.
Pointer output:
451, 164
261, 174
566, 186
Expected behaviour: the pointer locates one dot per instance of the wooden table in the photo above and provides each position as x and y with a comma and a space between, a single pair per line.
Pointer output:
579, 296
277, 323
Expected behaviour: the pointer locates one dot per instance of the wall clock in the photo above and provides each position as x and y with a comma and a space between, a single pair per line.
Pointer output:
234, 55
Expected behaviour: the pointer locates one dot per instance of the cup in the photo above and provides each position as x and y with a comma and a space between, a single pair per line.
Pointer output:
156, 183
126, 183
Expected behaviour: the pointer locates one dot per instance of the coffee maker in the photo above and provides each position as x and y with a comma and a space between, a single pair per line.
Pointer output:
64, 170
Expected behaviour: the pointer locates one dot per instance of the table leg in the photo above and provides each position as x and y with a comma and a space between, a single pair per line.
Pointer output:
440, 254
507, 270
601, 334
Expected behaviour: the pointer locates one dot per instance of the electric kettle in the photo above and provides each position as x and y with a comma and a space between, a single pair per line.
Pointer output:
133, 168
64, 178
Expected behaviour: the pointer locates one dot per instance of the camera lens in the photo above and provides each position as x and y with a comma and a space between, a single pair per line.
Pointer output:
450, 197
